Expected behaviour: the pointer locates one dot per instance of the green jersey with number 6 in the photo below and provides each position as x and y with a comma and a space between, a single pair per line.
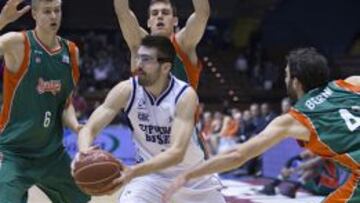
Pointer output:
35, 96
332, 114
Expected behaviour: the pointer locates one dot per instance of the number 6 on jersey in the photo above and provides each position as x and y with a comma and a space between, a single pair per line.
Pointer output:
47, 119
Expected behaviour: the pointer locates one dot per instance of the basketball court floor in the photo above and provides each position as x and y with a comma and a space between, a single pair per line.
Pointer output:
235, 191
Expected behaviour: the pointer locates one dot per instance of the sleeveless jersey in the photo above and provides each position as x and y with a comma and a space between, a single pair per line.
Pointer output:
35, 97
151, 120
183, 68
332, 114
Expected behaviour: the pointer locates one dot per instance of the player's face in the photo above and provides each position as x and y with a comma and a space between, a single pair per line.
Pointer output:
161, 19
48, 15
289, 85
148, 66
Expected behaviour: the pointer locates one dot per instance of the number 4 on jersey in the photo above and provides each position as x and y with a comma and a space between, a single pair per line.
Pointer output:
352, 122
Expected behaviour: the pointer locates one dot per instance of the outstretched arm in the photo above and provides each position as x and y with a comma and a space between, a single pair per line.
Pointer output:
104, 114
130, 27
192, 33
278, 129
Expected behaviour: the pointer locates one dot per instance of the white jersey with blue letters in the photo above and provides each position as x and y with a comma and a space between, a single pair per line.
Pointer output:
151, 120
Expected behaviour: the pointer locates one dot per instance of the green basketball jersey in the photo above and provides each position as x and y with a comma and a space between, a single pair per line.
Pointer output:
35, 97
332, 114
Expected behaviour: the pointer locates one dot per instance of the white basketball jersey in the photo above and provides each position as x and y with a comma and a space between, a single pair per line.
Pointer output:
151, 120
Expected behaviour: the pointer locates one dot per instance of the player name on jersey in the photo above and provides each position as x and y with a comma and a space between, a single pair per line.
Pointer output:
156, 134
319, 99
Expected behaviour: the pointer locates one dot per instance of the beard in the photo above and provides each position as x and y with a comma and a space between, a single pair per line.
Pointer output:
146, 80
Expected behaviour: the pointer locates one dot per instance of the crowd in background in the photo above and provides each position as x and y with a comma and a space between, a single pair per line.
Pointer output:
223, 130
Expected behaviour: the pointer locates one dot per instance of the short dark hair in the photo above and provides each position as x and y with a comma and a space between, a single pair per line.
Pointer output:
163, 45
309, 67
174, 10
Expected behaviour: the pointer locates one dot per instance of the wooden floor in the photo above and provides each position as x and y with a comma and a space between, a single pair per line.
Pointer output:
36, 196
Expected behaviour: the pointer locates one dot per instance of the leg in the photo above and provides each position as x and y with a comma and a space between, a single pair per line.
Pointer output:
349, 192
58, 183
207, 191
13, 181
146, 189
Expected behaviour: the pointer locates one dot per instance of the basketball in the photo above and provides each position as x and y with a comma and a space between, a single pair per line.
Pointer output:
96, 169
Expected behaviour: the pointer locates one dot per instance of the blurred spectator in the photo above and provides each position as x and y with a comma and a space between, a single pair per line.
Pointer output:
241, 64
80, 105
258, 121
267, 114
285, 105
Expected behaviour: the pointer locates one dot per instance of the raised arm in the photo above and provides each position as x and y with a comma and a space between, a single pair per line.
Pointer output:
130, 27
280, 128
10, 12
191, 34
104, 114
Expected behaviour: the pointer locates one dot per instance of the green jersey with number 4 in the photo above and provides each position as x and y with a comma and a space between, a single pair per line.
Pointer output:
35, 97
332, 114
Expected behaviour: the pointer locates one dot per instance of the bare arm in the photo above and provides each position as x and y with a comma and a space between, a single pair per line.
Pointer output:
12, 44
130, 27
69, 118
181, 132
277, 130
194, 29
309, 163
104, 114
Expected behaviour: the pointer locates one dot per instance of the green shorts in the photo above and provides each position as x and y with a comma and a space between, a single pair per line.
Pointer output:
51, 174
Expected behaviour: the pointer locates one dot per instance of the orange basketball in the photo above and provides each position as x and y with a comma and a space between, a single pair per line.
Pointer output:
96, 169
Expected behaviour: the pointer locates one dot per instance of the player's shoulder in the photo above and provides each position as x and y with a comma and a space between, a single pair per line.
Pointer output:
13, 37
354, 80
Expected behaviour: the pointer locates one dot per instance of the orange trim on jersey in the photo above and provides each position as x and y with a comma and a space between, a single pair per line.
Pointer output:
11, 83
344, 193
314, 144
46, 48
74, 62
348, 86
320, 148
192, 70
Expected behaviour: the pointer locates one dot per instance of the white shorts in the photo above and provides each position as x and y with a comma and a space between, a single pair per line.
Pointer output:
150, 188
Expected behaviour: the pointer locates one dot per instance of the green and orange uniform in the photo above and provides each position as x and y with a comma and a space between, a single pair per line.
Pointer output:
183, 68
332, 114
31, 128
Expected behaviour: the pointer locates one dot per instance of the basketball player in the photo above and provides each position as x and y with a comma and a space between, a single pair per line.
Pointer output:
315, 174
162, 21
40, 74
161, 111
325, 119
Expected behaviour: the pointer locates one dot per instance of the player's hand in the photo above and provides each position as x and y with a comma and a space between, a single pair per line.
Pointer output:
10, 12
80, 155
175, 186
